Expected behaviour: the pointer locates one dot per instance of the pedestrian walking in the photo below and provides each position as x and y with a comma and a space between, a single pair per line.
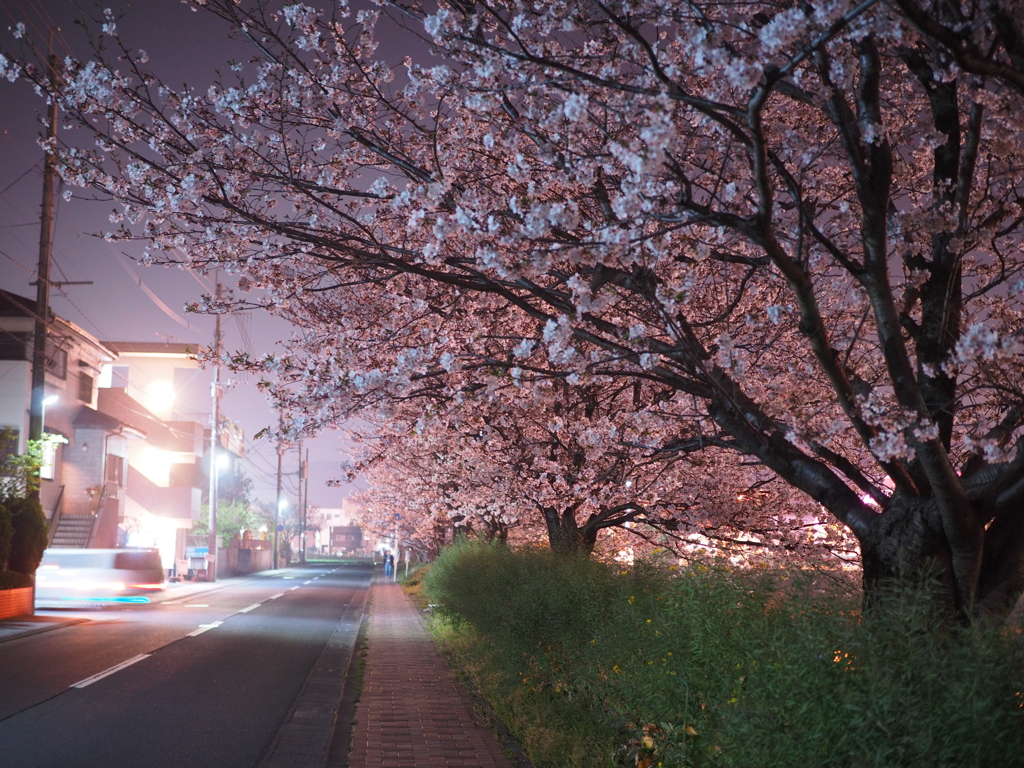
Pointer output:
389, 563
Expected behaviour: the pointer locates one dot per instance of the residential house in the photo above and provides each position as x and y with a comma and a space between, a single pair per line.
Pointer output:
84, 475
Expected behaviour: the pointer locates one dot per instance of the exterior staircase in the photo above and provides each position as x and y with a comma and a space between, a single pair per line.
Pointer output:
73, 531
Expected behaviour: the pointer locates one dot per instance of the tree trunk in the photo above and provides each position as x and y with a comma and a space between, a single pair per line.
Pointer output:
495, 529
565, 536
907, 555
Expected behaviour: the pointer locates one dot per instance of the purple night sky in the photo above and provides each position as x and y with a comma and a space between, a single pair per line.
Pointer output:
184, 47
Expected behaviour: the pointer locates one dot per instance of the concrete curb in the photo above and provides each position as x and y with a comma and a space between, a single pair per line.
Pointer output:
304, 739
9, 631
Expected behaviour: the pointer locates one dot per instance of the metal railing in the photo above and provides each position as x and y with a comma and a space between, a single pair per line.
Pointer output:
58, 512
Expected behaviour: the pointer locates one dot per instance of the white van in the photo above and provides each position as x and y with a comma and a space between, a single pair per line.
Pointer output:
68, 576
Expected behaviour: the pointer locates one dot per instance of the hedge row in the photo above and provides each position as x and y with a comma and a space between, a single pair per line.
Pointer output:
592, 664
23, 535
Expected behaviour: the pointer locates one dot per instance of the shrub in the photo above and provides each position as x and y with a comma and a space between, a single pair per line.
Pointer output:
6, 532
29, 538
709, 666
12, 580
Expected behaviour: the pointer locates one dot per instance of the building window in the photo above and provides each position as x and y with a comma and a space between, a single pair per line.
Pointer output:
8, 443
48, 468
119, 376
56, 360
115, 469
13, 346
85, 385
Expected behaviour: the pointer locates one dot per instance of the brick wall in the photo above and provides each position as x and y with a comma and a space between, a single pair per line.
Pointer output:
15, 602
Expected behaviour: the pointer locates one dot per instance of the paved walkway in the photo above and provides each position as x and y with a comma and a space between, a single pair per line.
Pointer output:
411, 712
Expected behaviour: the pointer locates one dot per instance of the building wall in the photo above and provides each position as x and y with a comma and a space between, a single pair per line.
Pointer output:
83, 470
154, 381
15, 388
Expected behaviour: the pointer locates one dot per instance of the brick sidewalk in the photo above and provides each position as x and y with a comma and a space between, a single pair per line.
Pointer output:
411, 712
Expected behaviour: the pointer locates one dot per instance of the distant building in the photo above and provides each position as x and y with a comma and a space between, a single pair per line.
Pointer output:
75, 477
135, 462
339, 532
170, 471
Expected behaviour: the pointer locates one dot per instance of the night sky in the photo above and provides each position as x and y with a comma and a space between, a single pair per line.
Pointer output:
184, 47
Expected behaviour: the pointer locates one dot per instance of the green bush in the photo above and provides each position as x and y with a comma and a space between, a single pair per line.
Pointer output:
12, 580
6, 533
29, 538
716, 667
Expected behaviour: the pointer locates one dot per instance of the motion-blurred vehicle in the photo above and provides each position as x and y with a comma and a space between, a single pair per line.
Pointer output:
95, 576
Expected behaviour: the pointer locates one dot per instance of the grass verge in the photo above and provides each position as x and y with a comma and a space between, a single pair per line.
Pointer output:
591, 665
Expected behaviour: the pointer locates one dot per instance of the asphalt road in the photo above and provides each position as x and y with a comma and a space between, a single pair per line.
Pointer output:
206, 683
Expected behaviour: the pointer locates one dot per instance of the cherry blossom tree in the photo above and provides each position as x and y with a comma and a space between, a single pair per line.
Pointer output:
803, 221
546, 459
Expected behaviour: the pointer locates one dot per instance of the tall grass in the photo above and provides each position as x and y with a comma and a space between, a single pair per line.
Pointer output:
593, 665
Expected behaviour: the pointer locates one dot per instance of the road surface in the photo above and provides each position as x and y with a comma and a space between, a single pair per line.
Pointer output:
205, 680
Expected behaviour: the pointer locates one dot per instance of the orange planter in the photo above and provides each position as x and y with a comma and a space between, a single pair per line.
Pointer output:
15, 602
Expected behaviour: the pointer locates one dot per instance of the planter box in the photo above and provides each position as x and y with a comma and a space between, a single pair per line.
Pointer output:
15, 602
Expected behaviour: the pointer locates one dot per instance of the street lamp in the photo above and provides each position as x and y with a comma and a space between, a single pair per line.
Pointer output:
279, 508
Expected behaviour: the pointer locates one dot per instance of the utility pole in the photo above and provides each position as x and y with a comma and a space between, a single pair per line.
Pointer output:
277, 504
35, 420
211, 567
302, 512
394, 557
305, 482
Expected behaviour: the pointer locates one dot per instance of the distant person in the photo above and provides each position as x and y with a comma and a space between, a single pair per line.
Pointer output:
389, 563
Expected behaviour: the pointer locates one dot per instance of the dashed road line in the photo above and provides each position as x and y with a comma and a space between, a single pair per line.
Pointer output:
106, 673
205, 628
274, 597
308, 582
252, 607
292, 589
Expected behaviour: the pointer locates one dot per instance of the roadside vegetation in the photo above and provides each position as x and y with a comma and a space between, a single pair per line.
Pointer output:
23, 526
593, 664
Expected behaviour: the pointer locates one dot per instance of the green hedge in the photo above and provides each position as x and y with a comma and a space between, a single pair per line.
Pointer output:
29, 540
723, 668
6, 534
12, 580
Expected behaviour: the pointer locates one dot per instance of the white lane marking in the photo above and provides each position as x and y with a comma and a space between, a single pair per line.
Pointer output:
308, 582
274, 597
292, 589
289, 577
196, 605
252, 607
205, 628
116, 668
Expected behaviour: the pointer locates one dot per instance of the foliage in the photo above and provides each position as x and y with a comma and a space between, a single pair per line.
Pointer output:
793, 231
535, 463
233, 518
6, 534
14, 580
413, 584
712, 666
29, 539
19, 475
